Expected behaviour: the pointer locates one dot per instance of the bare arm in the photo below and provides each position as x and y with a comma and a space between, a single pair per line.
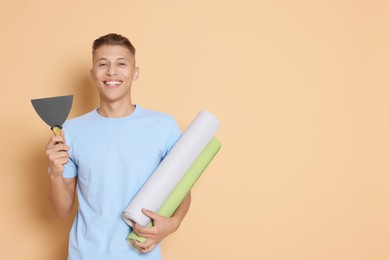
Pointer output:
61, 190
182, 210
162, 226
62, 195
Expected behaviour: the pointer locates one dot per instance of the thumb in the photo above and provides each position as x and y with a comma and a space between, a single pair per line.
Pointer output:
150, 214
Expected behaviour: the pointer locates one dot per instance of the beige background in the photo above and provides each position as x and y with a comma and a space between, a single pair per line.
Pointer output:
302, 91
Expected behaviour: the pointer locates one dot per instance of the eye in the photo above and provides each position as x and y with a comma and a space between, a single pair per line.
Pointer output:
102, 64
121, 64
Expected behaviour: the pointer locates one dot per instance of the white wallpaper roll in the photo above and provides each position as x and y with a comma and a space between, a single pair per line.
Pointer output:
169, 172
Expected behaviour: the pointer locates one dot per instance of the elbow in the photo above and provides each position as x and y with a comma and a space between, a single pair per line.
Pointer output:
63, 215
63, 211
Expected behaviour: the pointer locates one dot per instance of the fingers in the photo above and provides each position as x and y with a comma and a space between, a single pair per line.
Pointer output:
55, 140
154, 234
57, 151
57, 143
145, 247
150, 214
63, 147
57, 154
146, 232
58, 158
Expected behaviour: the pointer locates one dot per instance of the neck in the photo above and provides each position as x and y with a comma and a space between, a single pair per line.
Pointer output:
115, 110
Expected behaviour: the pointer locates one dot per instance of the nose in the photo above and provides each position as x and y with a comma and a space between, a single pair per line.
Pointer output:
111, 70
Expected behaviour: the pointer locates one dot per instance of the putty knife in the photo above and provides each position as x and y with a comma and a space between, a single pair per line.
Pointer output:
53, 110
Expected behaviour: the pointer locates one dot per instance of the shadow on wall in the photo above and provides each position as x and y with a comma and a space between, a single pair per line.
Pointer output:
46, 225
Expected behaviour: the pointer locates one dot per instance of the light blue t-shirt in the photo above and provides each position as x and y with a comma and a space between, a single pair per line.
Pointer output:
112, 158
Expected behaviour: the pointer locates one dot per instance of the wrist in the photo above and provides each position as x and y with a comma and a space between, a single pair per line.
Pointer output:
55, 177
55, 171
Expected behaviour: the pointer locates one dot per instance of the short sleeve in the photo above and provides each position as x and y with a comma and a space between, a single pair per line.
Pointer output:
174, 134
70, 169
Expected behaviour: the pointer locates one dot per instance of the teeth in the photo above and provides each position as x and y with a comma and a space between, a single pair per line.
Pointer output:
113, 82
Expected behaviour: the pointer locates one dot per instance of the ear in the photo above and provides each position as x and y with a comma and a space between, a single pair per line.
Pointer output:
136, 73
91, 74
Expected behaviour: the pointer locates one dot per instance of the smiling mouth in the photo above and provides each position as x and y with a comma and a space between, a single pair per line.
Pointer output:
112, 84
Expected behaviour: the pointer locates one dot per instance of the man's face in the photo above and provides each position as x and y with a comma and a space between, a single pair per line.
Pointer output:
113, 72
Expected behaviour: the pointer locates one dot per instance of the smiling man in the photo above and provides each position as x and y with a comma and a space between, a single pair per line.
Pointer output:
106, 155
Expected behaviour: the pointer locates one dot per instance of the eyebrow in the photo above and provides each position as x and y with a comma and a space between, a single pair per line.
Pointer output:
116, 59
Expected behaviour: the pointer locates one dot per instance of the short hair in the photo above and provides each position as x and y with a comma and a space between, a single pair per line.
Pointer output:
113, 39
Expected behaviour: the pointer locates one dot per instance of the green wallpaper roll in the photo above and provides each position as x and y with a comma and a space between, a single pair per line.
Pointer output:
184, 186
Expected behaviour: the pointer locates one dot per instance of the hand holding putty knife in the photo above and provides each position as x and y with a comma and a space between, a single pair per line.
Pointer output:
54, 111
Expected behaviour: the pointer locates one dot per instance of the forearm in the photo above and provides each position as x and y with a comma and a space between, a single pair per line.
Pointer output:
61, 195
61, 191
182, 210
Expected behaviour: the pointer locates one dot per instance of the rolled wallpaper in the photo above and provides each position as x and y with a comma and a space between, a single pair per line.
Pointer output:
184, 186
172, 168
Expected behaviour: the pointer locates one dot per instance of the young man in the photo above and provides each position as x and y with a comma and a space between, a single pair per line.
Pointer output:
107, 155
